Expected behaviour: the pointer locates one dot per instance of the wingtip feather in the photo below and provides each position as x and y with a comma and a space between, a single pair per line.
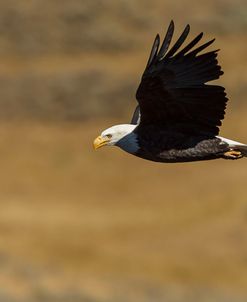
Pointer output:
154, 50
167, 40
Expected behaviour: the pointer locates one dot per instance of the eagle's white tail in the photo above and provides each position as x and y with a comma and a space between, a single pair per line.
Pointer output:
242, 149
235, 146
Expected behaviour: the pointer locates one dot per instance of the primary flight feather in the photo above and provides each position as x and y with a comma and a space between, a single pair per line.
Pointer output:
178, 114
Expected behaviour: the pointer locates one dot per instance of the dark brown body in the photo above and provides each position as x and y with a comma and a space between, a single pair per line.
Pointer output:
169, 146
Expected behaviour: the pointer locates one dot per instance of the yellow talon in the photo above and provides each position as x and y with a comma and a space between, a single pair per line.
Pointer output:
233, 154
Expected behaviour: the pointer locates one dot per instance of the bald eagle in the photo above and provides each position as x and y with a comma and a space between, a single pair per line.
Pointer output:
178, 115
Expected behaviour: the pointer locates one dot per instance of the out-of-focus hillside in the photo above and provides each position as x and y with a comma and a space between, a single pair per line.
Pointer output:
33, 28
79, 59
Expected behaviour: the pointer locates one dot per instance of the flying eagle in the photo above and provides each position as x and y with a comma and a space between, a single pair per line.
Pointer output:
178, 115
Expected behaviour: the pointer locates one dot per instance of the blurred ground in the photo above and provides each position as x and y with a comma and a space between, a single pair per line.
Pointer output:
81, 226
78, 225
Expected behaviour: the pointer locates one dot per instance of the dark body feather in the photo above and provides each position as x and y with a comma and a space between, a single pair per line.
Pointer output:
163, 145
180, 113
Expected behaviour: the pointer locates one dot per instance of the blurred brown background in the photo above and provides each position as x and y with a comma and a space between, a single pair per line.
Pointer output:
76, 225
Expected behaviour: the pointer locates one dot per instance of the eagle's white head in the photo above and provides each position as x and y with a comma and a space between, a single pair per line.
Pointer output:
122, 136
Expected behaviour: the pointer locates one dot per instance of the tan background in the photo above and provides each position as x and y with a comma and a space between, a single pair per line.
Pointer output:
78, 225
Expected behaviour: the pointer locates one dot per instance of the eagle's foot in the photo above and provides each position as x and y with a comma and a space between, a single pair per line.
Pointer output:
233, 154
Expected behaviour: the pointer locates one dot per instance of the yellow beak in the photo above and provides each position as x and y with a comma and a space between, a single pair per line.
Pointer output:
100, 142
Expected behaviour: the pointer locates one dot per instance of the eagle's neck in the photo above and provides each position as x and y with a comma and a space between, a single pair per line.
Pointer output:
129, 142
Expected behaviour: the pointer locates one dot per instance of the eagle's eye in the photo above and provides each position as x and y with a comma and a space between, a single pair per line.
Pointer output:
109, 135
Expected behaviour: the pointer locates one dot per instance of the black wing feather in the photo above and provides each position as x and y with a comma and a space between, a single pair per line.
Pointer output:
190, 45
201, 48
136, 116
179, 42
167, 40
154, 50
173, 92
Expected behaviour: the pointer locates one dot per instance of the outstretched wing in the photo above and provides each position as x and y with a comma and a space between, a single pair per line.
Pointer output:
173, 91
